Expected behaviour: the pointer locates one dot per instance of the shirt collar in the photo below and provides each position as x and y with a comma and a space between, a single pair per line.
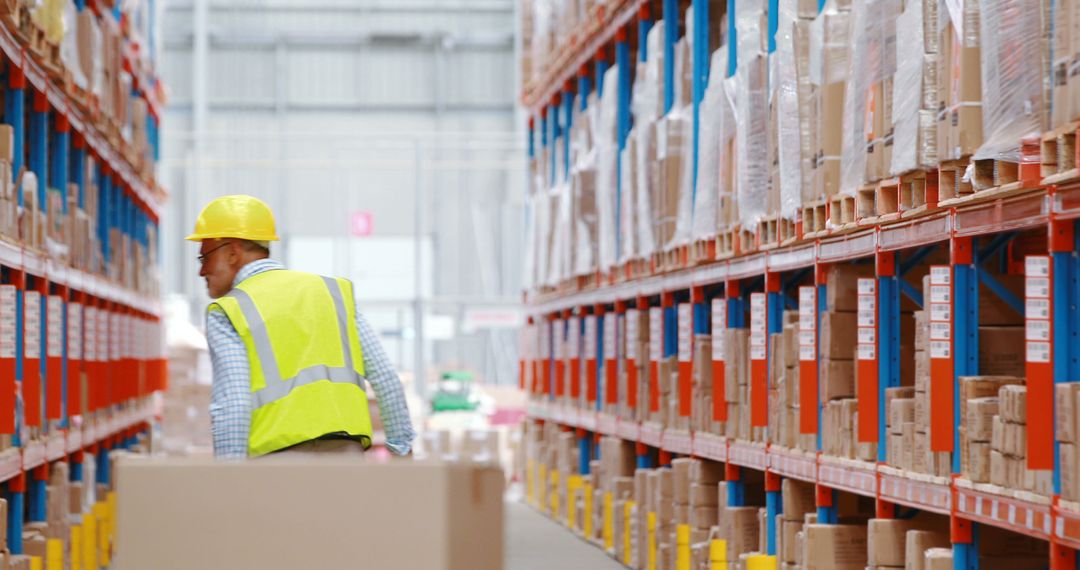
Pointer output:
254, 268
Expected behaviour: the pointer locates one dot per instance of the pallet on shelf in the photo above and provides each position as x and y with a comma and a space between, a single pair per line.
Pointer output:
815, 218
918, 193
1058, 152
702, 251
866, 203
768, 233
841, 210
951, 183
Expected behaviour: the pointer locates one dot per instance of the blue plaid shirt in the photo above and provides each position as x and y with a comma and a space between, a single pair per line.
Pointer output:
230, 398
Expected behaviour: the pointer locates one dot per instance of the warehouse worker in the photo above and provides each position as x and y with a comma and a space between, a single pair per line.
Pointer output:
290, 351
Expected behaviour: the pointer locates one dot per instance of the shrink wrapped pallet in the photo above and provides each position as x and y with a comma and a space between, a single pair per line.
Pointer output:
713, 201
751, 114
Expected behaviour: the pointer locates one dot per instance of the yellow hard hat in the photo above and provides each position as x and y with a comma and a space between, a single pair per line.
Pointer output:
237, 216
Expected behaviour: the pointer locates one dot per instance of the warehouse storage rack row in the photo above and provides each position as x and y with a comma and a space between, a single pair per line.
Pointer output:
81, 331
1010, 251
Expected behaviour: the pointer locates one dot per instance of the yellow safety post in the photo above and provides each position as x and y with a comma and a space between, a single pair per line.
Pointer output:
35, 563
530, 496
609, 521
682, 547
541, 501
90, 543
651, 522
761, 562
101, 513
111, 502
554, 494
588, 511
628, 514
54, 554
718, 555
76, 547
573, 485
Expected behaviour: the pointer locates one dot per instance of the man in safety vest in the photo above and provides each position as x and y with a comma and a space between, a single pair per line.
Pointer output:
290, 352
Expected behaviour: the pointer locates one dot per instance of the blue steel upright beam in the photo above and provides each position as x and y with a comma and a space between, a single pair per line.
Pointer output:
671, 35
733, 39
568, 118
601, 69
38, 511
700, 66
15, 115
645, 24
965, 327
822, 307
1065, 272
16, 493
888, 341
774, 507
39, 145
736, 316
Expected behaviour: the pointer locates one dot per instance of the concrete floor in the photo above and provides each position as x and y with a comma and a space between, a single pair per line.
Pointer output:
535, 542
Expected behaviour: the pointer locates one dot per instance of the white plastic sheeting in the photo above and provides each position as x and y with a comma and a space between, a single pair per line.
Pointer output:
783, 75
751, 114
716, 111
606, 174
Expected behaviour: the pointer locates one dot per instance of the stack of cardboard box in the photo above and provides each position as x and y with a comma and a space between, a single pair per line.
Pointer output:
835, 546
1067, 397
900, 403
915, 88
737, 382
739, 527
833, 31
977, 423
896, 543
784, 384
798, 500
1008, 456
836, 371
918, 542
960, 116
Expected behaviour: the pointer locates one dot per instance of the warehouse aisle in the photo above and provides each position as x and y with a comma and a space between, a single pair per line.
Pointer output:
534, 542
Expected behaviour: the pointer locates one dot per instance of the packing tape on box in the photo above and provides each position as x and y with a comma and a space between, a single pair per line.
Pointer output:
35, 563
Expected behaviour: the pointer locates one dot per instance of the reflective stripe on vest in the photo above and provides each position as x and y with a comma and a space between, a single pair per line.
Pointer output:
278, 387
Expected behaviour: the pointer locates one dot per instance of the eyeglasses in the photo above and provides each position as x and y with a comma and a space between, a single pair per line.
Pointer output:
202, 258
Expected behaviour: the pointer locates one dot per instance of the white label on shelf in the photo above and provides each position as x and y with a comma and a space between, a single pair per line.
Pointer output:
806, 338
867, 352
103, 335
807, 308
867, 286
940, 349
758, 339
74, 331
866, 318
867, 302
1038, 352
633, 333
545, 340
1037, 308
1037, 330
1037, 266
656, 334
559, 329
940, 275
573, 338
757, 353
940, 294
90, 336
32, 324
940, 312
940, 331
1038, 287
686, 332
867, 335
54, 327
8, 323
610, 336
590, 337
807, 353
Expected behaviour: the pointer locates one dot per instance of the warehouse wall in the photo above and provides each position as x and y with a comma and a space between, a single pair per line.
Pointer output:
327, 108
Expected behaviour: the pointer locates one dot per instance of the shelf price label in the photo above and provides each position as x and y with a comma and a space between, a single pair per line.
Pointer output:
942, 391
686, 332
1039, 367
8, 323
808, 366
759, 374
32, 325
719, 325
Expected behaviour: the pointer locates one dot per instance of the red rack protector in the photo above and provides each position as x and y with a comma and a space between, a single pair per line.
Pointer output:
685, 326
719, 394
656, 353
32, 357
867, 361
8, 337
633, 336
1039, 367
75, 355
808, 363
611, 358
942, 392
759, 371
54, 355
590, 358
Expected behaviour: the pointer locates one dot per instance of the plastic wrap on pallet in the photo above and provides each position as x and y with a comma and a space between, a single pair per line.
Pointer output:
69, 47
1012, 76
606, 175
751, 114
872, 59
562, 234
715, 107
788, 128
647, 98
628, 189
583, 189
908, 93
682, 114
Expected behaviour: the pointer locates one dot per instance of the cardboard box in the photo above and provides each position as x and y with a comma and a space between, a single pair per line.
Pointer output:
454, 513
838, 335
798, 498
681, 470
901, 411
842, 286
1065, 396
790, 530
917, 542
938, 559
741, 529
1001, 351
1070, 472
835, 547
1013, 404
886, 541
979, 420
977, 462
703, 517
837, 379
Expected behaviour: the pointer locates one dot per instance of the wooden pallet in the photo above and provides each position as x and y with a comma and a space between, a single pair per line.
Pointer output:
951, 182
768, 236
866, 203
918, 192
702, 251
815, 218
735, 241
1058, 154
787, 231
993, 174
841, 210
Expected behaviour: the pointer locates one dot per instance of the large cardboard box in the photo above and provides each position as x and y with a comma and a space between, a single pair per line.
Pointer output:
835, 547
886, 541
1001, 351
838, 335
918, 542
182, 514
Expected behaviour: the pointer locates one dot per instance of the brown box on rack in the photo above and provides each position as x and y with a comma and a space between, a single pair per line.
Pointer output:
938, 559
1070, 472
842, 286
837, 379
703, 517
838, 335
918, 542
978, 461
1013, 404
886, 541
790, 531
836, 547
703, 495
798, 498
1001, 351
979, 418
1065, 399
901, 411
999, 470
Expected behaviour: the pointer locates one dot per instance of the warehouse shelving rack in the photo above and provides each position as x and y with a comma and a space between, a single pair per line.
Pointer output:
56, 127
970, 229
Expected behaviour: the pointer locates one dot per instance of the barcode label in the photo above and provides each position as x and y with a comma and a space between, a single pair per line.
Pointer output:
867, 352
940, 294
867, 286
1038, 352
590, 337
573, 338
633, 333
940, 312
656, 334
1037, 308
32, 325
941, 275
1038, 287
1037, 266
867, 335
940, 331
8, 323
686, 332
940, 349
807, 353
54, 327
610, 336
866, 318
1037, 330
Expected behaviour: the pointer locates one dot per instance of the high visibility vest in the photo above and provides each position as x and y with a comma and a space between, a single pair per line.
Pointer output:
307, 365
